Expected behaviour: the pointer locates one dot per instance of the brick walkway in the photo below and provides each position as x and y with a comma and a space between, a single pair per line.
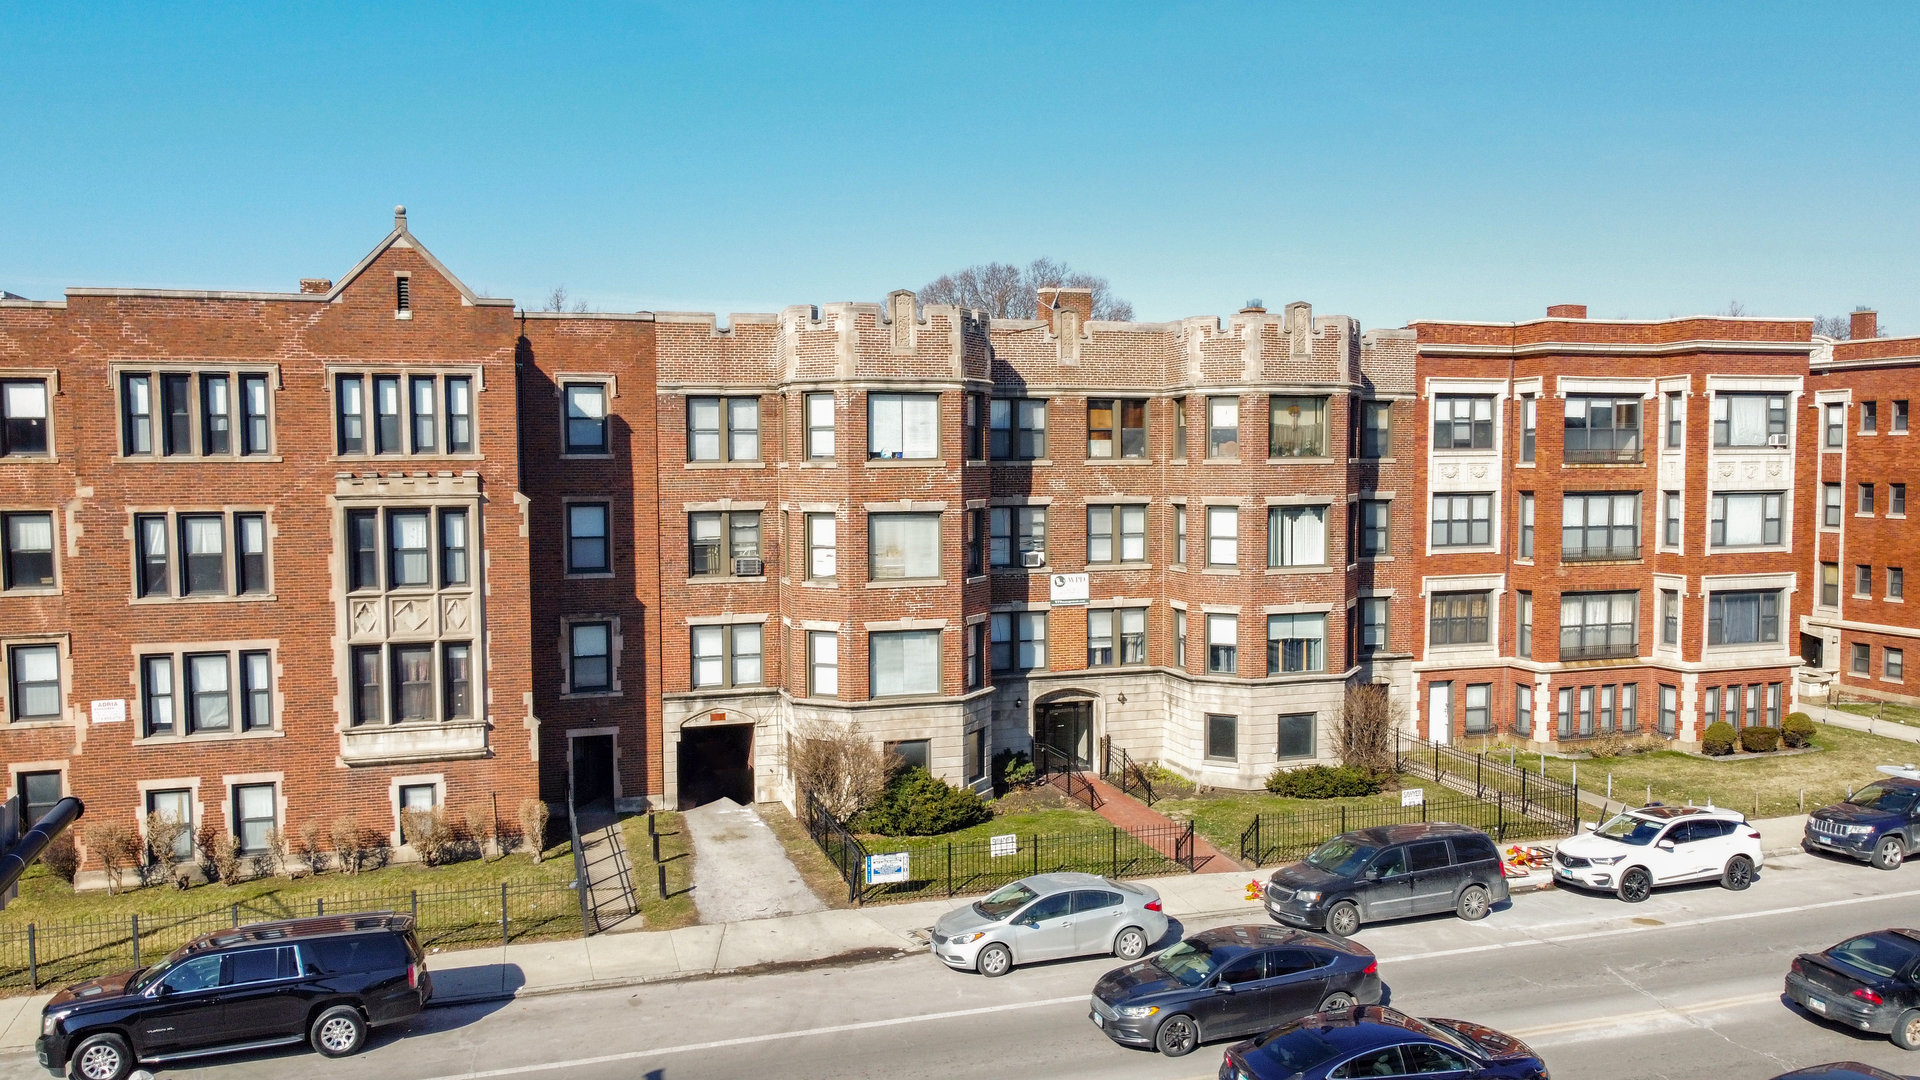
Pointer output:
1144, 822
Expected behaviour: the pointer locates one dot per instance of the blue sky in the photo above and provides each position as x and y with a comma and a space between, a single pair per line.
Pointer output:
1391, 162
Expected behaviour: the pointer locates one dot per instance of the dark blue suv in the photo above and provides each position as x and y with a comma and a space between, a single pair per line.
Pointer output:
1880, 823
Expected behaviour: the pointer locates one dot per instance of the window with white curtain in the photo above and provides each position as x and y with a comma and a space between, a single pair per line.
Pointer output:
1223, 643
903, 546
823, 659
822, 553
1595, 626
820, 425
1223, 536
1745, 520
1297, 536
1748, 419
904, 662
905, 426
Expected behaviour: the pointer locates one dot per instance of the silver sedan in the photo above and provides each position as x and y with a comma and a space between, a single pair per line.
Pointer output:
1049, 916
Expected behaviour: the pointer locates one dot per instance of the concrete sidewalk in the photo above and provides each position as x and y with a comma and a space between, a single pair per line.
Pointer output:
1861, 723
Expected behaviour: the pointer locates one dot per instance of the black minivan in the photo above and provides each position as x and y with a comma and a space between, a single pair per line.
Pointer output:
1391, 872
322, 981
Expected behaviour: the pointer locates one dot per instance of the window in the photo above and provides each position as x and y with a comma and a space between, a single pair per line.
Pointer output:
1869, 417
974, 424
1830, 584
1900, 417
745, 643
156, 694
1223, 644
1522, 710
350, 412
1296, 735
1180, 639
1863, 580
1462, 423
1458, 618
1019, 640
38, 791
905, 426
457, 665
250, 553
253, 814
903, 546
1676, 420
976, 649
367, 682
1523, 617
35, 671
1743, 618
904, 662
724, 544
176, 408
1180, 536
1017, 429
413, 797
29, 557
1669, 709
453, 548
256, 691
209, 694
1669, 616
590, 657
1896, 583
1896, 500
1222, 737
1018, 536
587, 539
823, 563
1526, 524
402, 295
412, 683
1529, 427
1180, 428
1296, 643
1376, 429
386, 415
416, 414
1600, 527
820, 427
1748, 520
1603, 429
723, 429
823, 663
1223, 427
1104, 522
1595, 626
408, 551
1223, 536
975, 541
1126, 627
1373, 527
1749, 419
1670, 533
176, 804
1836, 426
1864, 502
136, 414
459, 415
23, 405
1116, 428
1297, 427
1893, 664
1862, 658
1462, 520
1373, 623
1297, 536
976, 754
425, 433
1479, 707
587, 420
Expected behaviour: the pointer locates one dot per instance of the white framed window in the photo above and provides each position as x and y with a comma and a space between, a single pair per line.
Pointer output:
903, 546
820, 423
1223, 644
823, 663
1749, 519
1223, 427
905, 426
1297, 536
823, 563
1296, 643
1223, 536
1116, 534
903, 662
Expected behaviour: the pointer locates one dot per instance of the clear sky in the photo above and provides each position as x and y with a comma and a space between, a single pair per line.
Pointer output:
1390, 162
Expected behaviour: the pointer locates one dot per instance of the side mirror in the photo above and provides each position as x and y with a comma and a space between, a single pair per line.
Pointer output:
1665, 845
160, 990
1374, 873
1223, 988
1589, 826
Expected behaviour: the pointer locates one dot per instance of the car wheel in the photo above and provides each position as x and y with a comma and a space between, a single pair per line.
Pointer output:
1906, 1030
1739, 873
1343, 919
995, 961
1636, 885
338, 1031
1474, 903
1890, 854
1130, 944
1177, 1036
1337, 1001
101, 1057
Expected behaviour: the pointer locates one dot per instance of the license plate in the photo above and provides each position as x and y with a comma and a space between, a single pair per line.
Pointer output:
1098, 1020
1563, 871
1816, 1005
1829, 841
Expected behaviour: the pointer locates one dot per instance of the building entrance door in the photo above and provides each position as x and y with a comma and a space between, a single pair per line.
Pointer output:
593, 770
716, 763
1067, 727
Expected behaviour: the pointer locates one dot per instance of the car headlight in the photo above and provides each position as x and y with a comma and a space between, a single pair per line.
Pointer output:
1136, 1012
52, 1019
1605, 861
968, 939
1307, 895
1859, 830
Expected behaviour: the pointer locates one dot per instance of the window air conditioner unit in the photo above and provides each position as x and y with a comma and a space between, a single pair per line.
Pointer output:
749, 568
1779, 441
1031, 559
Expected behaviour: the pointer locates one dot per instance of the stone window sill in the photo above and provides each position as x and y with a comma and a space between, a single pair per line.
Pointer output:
905, 463
1020, 463
1094, 567
1305, 459
1222, 571
207, 736
820, 583
726, 464
243, 598
1285, 571
1131, 462
586, 695
719, 580
225, 459
907, 583
590, 575
29, 592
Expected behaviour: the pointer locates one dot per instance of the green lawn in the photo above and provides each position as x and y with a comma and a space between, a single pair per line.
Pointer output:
1046, 822
1888, 711
676, 854
1221, 818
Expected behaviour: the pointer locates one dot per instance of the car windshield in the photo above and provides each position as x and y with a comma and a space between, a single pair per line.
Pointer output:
1189, 962
1877, 954
1294, 1051
1630, 830
146, 977
1885, 798
1341, 856
1005, 902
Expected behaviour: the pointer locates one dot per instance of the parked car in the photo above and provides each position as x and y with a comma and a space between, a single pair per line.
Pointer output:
1870, 983
1049, 916
1391, 872
1880, 823
1661, 845
1232, 980
322, 981
1373, 1040
1839, 1070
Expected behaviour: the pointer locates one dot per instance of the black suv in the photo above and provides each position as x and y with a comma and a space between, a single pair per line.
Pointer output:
1880, 823
323, 981
1391, 872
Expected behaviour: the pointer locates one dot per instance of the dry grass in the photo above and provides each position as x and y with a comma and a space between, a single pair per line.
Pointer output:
815, 870
676, 909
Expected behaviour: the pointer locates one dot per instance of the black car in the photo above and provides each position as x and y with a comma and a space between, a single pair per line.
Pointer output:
1231, 980
1839, 1070
1880, 823
1391, 872
1870, 982
322, 981
1377, 1041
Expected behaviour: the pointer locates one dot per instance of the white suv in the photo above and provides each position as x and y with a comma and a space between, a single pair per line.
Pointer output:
1661, 845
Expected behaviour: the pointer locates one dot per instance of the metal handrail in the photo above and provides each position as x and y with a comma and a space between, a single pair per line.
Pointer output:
1044, 758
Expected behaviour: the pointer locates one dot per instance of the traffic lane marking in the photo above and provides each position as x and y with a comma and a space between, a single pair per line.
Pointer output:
1598, 1024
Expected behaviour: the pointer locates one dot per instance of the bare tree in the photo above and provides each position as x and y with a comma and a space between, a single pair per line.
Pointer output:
1005, 291
1734, 310
1367, 734
560, 300
838, 766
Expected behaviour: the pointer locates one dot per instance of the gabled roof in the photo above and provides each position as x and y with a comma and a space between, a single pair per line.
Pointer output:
400, 237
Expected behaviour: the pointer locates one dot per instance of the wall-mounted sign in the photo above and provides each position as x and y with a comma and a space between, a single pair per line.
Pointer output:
110, 711
1068, 588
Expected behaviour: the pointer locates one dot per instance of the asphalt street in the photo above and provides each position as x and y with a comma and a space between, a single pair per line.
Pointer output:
1685, 985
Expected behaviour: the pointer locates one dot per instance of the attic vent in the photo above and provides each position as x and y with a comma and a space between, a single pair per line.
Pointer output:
402, 296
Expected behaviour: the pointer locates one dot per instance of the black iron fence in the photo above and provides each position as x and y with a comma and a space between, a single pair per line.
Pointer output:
1483, 776
1285, 837
1128, 775
46, 952
1053, 767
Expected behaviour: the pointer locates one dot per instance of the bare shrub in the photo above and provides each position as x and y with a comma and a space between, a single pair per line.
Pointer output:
842, 769
115, 846
479, 826
226, 858
1367, 732
271, 860
62, 857
429, 834
163, 832
204, 840
308, 845
346, 843
533, 826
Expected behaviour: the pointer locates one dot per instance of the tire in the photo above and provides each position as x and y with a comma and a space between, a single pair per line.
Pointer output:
1178, 1036
1906, 1030
1343, 919
994, 961
1636, 885
1889, 853
105, 1056
338, 1031
1130, 944
1738, 874
1336, 1001
1474, 903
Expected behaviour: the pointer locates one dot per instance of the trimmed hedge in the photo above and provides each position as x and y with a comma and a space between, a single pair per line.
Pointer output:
1718, 740
917, 803
1322, 782
1797, 731
1760, 740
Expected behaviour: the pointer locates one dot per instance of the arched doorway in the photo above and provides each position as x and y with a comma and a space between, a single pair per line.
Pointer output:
1066, 726
716, 762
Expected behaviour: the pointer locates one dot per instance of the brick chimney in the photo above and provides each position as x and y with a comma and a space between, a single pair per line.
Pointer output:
1864, 324
315, 284
1054, 298
1567, 311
